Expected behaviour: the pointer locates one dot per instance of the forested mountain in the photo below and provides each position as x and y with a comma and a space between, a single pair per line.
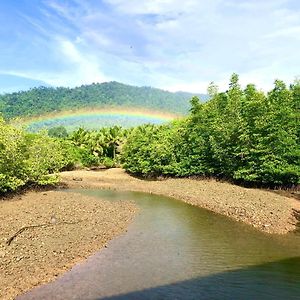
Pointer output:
43, 100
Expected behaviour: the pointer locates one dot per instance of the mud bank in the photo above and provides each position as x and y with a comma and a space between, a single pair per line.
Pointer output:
264, 210
60, 230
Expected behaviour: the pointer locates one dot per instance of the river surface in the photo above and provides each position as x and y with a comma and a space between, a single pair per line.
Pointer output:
173, 250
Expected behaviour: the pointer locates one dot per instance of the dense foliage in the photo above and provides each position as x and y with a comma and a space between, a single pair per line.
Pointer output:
36, 158
99, 147
242, 135
44, 100
30, 158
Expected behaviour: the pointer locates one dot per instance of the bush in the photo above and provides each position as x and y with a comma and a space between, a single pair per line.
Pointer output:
27, 158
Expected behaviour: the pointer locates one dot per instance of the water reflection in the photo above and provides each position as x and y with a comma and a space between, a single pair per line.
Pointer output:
177, 251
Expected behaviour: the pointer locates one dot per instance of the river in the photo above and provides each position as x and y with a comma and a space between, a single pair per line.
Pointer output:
173, 250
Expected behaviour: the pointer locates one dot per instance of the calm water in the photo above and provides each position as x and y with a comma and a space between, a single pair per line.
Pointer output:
176, 251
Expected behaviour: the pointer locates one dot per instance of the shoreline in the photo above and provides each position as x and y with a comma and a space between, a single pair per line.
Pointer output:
83, 225
267, 211
62, 230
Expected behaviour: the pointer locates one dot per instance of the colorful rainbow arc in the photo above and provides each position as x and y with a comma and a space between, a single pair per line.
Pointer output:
137, 114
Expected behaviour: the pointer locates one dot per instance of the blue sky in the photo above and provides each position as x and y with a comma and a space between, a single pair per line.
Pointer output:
169, 44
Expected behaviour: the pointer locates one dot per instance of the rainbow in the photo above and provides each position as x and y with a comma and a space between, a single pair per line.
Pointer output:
95, 118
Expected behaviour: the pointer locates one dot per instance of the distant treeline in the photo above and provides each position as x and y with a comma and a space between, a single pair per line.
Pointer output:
45, 100
241, 135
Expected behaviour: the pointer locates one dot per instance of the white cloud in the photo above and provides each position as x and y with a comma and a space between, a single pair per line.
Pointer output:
154, 6
83, 68
170, 43
287, 32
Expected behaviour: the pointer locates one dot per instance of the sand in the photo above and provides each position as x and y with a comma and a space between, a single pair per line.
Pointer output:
76, 226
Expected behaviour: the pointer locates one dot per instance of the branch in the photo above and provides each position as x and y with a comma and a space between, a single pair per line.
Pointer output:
9, 241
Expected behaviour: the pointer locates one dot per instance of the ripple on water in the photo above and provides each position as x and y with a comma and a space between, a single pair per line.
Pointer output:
177, 251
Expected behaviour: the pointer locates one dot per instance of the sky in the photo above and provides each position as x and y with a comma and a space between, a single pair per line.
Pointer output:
170, 44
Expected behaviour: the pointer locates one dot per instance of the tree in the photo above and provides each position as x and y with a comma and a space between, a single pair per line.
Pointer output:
58, 132
241, 135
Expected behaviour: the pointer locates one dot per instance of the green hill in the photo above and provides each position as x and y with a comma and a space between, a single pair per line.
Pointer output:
43, 100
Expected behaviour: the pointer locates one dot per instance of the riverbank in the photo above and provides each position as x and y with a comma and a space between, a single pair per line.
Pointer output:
60, 230
264, 210
64, 228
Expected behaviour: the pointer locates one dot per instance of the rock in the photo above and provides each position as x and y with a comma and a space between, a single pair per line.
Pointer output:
77, 178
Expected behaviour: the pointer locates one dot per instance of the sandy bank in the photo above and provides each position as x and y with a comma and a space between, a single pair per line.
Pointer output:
261, 209
77, 226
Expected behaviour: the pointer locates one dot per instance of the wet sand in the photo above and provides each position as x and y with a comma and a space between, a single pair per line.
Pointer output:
70, 227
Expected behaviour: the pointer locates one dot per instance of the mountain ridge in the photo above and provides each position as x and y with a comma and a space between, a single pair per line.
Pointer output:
42, 100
